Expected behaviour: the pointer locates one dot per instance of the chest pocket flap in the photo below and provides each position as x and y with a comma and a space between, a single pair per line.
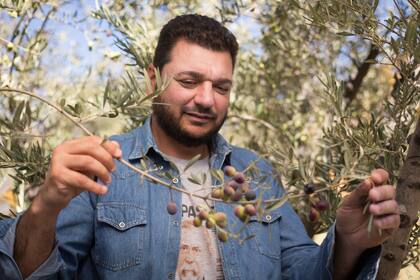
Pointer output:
119, 235
121, 216
267, 219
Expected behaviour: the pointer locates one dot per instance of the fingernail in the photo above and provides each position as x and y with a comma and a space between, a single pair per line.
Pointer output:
373, 195
116, 143
104, 190
370, 182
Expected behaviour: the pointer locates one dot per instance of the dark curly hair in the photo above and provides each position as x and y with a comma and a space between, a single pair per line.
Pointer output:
198, 29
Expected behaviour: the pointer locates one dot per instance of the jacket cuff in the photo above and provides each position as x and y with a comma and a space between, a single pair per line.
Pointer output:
49, 267
327, 247
367, 266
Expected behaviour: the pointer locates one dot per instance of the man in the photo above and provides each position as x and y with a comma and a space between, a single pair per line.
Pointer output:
79, 228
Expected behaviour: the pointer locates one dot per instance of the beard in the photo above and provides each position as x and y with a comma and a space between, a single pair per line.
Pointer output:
168, 121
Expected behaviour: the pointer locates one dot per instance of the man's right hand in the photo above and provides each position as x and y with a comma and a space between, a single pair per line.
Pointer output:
73, 167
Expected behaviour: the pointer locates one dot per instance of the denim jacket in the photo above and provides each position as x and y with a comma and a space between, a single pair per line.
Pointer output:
128, 234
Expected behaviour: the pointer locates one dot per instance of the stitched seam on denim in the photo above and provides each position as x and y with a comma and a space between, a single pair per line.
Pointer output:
124, 204
125, 264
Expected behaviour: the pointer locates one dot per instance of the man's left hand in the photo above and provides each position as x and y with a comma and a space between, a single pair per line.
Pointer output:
352, 224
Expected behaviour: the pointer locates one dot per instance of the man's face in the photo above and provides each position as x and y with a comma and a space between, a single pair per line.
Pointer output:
194, 106
189, 268
195, 254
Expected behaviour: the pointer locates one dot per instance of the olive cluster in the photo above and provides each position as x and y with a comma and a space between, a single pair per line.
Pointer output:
237, 189
317, 203
213, 219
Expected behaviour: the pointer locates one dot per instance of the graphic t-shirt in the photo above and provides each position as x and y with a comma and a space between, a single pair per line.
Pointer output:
198, 253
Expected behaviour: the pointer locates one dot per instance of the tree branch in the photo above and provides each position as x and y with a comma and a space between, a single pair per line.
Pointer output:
353, 86
269, 202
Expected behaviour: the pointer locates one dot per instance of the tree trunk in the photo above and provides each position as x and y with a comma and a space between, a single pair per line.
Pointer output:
408, 197
353, 85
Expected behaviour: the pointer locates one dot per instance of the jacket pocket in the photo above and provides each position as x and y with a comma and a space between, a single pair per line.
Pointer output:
267, 234
119, 235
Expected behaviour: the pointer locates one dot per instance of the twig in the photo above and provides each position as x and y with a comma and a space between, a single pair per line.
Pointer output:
41, 29
19, 46
56, 107
254, 119
22, 34
23, 135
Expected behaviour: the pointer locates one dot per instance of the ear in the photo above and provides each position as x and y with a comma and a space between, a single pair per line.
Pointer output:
152, 76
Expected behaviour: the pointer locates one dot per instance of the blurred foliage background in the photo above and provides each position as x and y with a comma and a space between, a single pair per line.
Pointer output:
326, 90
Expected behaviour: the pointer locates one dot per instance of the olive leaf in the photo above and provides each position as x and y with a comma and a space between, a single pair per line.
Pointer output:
249, 237
194, 179
218, 174
191, 162
277, 204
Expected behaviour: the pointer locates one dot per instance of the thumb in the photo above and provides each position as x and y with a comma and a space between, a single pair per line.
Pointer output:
358, 197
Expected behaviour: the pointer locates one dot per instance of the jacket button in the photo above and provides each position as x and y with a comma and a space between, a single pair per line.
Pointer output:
121, 225
268, 218
170, 275
175, 180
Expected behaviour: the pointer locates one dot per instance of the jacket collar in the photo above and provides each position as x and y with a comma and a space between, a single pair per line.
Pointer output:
144, 141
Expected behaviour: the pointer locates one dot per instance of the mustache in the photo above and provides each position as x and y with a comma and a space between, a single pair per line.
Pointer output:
203, 113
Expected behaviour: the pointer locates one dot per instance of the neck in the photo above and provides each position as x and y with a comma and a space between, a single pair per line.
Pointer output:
171, 147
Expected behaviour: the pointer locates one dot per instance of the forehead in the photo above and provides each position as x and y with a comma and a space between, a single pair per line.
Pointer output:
186, 56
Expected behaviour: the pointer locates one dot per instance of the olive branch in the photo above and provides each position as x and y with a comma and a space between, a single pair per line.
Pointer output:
270, 204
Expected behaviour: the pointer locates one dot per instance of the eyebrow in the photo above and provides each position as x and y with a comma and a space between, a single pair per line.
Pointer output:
202, 77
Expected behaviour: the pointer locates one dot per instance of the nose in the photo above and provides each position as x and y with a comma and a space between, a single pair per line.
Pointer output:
205, 95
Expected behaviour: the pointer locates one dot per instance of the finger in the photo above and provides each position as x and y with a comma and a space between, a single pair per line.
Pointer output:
379, 176
113, 147
78, 142
387, 222
88, 165
81, 182
89, 146
358, 197
382, 193
384, 208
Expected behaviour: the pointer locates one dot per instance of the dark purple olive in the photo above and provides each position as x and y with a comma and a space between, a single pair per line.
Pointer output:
250, 210
171, 208
251, 195
314, 215
239, 177
309, 188
322, 205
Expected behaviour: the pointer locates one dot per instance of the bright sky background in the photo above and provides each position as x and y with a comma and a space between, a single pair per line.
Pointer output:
78, 49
